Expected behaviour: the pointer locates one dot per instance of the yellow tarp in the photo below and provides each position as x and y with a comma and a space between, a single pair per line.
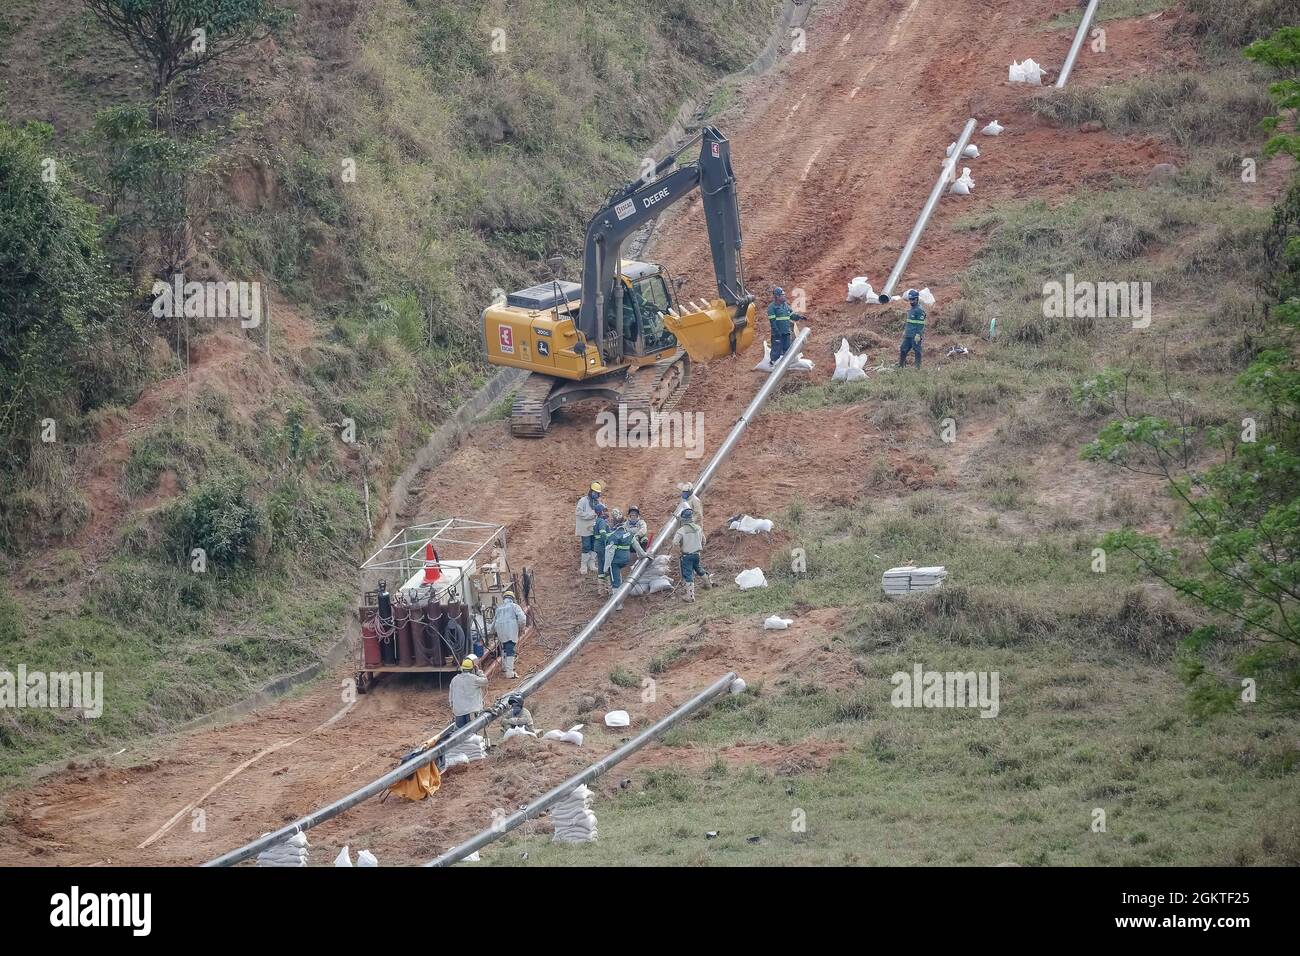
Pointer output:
423, 783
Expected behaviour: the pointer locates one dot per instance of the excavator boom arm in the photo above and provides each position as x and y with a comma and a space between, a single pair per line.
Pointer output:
645, 199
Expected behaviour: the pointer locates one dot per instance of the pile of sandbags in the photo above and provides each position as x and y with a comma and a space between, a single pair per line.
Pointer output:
753, 578
573, 819
571, 736
849, 367
1027, 72
905, 580
471, 748
860, 290
963, 185
292, 852
800, 364
750, 525
655, 578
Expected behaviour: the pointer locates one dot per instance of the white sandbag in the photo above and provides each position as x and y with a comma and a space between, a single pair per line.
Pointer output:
964, 184
344, 858
455, 760
737, 686
651, 584
951, 146
472, 858
753, 578
1027, 72
927, 297
570, 736
993, 129
366, 858
751, 525
777, 623
766, 364
971, 152
518, 732
860, 290
856, 374
617, 718
801, 364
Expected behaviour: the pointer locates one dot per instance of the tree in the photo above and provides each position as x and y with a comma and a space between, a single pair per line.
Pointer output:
1282, 52
173, 37
56, 291
1239, 551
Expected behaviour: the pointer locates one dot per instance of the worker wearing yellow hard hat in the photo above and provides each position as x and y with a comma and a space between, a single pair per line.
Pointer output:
584, 522
466, 691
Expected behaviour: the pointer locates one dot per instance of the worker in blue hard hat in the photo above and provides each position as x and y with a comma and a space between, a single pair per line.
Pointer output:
690, 538
781, 318
618, 551
913, 329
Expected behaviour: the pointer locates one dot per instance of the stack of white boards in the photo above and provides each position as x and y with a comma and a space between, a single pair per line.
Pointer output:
906, 580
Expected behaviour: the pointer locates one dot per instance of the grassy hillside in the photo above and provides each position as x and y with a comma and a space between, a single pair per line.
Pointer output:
1094, 715
481, 137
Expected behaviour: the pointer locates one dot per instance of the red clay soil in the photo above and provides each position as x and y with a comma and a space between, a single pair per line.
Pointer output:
835, 153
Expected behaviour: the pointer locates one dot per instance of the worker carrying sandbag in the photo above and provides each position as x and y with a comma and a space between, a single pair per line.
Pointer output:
690, 538
466, 691
781, 319
618, 552
640, 530
913, 329
517, 715
690, 500
584, 520
509, 619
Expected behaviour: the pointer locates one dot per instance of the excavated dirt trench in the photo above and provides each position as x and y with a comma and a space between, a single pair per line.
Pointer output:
835, 153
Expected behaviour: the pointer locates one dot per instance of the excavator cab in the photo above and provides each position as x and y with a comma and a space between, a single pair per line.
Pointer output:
646, 303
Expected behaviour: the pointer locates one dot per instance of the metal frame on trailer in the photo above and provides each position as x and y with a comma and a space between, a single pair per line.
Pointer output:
455, 540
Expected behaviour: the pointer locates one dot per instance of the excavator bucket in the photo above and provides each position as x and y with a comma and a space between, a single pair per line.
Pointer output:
712, 332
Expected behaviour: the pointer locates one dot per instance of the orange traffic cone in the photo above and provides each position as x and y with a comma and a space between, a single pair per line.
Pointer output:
431, 570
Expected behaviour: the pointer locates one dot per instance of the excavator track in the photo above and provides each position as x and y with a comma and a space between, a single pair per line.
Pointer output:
657, 387
529, 416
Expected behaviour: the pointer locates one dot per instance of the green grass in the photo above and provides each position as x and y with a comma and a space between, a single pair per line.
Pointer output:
1111, 10
1090, 717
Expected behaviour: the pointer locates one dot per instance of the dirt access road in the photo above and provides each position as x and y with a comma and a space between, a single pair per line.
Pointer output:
835, 152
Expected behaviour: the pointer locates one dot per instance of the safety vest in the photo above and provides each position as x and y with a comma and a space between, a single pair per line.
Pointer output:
621, 539
779, 316
600, 531
916, 316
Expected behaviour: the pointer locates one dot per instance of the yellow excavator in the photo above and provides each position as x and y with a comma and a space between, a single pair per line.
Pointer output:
620, 334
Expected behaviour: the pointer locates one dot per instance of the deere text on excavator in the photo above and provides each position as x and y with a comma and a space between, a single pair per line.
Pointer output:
620, 334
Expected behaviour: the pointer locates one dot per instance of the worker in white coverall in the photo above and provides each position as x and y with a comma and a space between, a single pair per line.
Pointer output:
690, 538
584, 521
506, 624
466, 691
690, 500
636, 524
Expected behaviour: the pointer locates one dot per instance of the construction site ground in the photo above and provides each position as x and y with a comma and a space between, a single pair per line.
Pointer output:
835, 152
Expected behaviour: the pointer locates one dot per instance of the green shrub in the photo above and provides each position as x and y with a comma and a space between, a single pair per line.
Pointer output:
221, 518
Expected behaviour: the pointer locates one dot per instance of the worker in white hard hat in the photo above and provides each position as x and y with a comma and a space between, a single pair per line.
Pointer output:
466, 691
584, 520
506, 625
690, 500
